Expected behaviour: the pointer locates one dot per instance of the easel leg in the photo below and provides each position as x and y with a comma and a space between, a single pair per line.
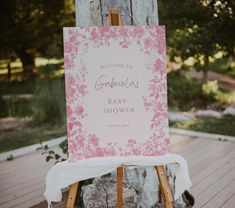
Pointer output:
119, 187
72, 195
165, 188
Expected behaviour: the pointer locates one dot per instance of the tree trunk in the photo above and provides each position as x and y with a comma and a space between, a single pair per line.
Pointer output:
205, 71
134, 12
28, 63
9, 71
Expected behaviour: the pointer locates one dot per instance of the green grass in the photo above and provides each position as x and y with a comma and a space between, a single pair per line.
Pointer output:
20, 138
24, 87
224, 125
222, 66
184, 93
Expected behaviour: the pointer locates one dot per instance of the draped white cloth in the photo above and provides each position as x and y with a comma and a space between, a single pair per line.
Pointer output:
65, 173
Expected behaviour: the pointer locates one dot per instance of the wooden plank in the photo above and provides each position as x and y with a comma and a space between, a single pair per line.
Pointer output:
20, 163
72, 195
222, 163
23, 190
221, 197
122, 5
208, 181
209, 192
191, 147
26, 162
114, 18
177, 139
209, 158
165, 188
119, 187
33, 171
197, 153
230, 203
20, 200
33, 201
21, 179
205, 153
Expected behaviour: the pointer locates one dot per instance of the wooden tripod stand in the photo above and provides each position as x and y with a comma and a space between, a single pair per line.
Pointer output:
114, 18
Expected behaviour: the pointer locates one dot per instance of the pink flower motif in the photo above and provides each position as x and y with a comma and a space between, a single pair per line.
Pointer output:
79, 110
123, 31
70, 91
138, 31
72, 38
94, 34
124, 43
159, 65
148, 43
104, 30
69, 111
82, 89
70, 79
147, 105
136, 151
99, 152
80, 141
93, 140
73, 124
68, 47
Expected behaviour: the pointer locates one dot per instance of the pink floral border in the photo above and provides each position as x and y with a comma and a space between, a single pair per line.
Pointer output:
150, 39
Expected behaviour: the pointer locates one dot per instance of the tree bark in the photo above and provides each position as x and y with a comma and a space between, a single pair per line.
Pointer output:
28, 62
9, 71
205, 71
134, 12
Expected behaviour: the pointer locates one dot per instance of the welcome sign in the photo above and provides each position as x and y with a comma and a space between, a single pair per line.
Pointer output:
116, 91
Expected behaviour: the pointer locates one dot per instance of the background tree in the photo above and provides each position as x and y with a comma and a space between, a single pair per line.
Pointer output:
199, 29
29, 28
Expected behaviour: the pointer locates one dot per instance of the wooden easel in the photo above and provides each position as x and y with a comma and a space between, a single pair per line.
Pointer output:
114, 19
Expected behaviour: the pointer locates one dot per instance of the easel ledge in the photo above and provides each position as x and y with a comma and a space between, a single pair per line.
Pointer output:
115, 19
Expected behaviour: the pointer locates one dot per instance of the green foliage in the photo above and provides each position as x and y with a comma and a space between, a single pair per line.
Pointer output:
183, 93
13, 106
49, 103
224, 125
25, 87
51, 154
10, 140
210, 88
212, 92
186, 93
64, 146
4, 110
198, 29
10, 158
223, 66
33, 27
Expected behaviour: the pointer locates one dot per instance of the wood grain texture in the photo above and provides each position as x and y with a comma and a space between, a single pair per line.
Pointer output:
134, 12
72, 195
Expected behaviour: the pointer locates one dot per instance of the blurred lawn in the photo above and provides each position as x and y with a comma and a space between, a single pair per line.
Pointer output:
224, 125
10, 140
223, 66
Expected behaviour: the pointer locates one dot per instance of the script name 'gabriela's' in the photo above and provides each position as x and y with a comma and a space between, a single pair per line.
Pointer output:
103, 82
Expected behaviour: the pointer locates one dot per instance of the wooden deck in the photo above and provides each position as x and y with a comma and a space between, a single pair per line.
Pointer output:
211, 166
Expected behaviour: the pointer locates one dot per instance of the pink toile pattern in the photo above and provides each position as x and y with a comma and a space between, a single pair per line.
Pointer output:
149, 39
